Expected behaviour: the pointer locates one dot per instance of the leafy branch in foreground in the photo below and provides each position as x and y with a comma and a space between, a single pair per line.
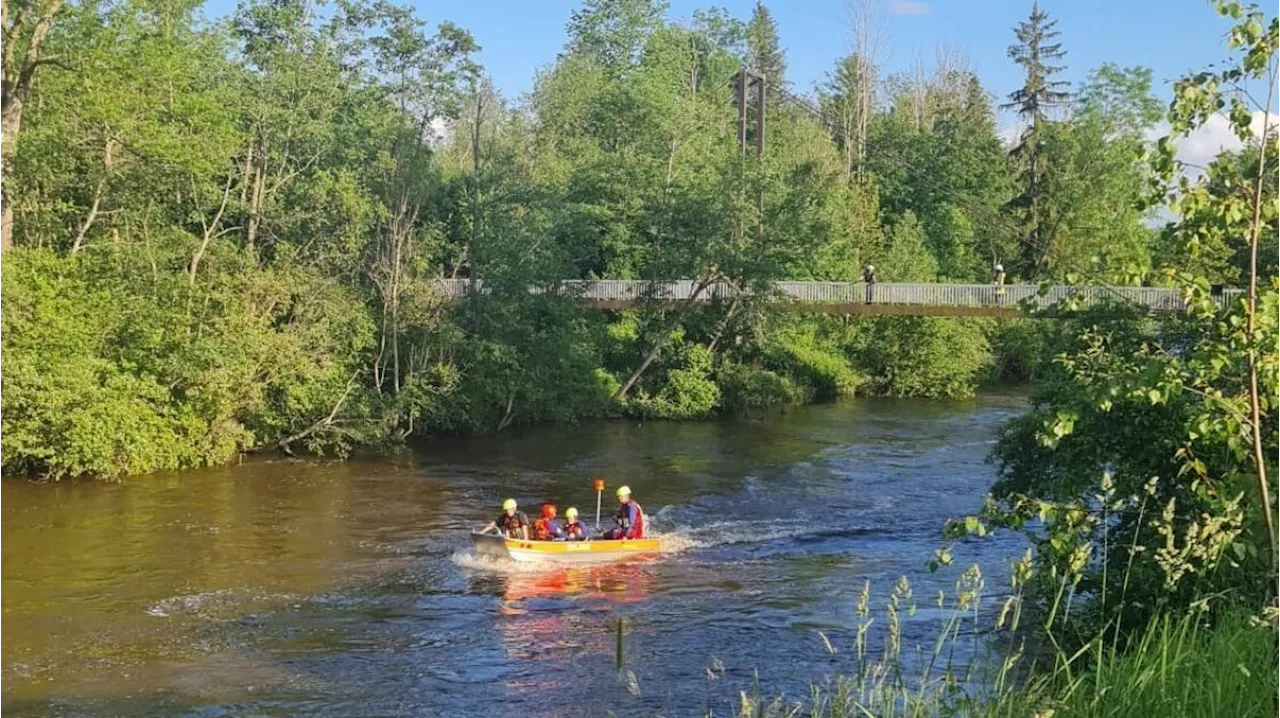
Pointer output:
1177, 416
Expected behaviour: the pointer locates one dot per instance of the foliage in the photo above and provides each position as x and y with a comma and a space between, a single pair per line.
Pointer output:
812, 357
744, 389
686, 391
295, 179
922, 356
1144, 472
1036, 52
113, 371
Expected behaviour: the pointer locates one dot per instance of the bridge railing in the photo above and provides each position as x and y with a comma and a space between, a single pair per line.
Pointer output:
912, 294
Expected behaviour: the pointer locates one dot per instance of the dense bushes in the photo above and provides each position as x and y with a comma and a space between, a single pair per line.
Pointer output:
113, 369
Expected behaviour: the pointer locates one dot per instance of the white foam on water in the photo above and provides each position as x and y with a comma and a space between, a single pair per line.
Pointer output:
189, 603
722, 533
491, 564
210, 604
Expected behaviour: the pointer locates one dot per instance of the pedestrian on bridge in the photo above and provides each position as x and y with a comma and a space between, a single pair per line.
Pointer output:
869, 276
997, 278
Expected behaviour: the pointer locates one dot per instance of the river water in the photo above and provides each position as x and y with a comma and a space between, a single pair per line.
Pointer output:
347, 589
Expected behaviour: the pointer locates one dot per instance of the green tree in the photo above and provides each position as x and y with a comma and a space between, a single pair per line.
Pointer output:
1040, 93
764, 51
1145, 472
612, 33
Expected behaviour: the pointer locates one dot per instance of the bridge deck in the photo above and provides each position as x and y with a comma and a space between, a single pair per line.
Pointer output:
858, 297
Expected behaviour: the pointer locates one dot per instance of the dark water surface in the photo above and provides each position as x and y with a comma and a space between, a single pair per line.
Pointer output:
347, 589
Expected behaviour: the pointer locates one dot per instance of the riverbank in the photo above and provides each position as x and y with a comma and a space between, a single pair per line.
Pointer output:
1184, 666
116, 369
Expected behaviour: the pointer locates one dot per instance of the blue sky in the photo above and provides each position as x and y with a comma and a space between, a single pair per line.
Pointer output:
1170, 36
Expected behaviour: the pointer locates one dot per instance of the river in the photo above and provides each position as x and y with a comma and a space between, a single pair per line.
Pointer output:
347, 588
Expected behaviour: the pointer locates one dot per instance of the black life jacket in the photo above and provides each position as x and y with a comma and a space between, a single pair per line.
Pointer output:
574, 530
511, 525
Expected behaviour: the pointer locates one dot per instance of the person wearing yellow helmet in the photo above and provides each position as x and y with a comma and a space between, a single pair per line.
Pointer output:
573, 528
629, 519
512, 523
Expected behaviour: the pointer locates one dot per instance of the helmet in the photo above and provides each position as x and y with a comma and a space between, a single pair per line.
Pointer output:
548, 511
999, 267
571, 513
872, 267
509, 505
623, 491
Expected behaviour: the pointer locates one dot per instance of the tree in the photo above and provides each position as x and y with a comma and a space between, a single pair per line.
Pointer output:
612, 33
26, 26
1145, 472
849, 97
1040, 93
1097, 177
764, 52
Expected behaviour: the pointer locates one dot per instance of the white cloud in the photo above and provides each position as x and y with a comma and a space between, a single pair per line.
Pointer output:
909, 7
1198, 148
1009, 135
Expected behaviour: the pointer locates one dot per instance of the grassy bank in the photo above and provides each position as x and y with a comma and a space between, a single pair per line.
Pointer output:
1178, 665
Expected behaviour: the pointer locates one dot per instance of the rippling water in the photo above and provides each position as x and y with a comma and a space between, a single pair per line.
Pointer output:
344, 589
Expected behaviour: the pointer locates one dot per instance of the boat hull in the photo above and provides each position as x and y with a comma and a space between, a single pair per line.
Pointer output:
562, 551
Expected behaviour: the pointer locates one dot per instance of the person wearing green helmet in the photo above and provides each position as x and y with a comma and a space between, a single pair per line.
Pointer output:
629, 518
573, 528
512, 523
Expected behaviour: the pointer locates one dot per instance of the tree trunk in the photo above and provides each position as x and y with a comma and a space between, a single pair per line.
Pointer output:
255, 198
15, 88
621, 393
1255, 412
10, 120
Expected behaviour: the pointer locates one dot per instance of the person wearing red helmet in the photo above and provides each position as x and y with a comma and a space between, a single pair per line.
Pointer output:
547, 527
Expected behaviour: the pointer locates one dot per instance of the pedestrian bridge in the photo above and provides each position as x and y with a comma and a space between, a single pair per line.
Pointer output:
948, 300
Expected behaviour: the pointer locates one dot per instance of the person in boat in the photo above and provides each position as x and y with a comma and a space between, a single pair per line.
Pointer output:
629, 518
573, 528
547, 527
512, 523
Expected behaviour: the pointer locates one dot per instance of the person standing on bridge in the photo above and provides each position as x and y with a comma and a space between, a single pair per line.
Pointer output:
997, 278
869, 276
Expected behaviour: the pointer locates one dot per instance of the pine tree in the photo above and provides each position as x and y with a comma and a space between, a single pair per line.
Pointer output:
1035, 50
764, 54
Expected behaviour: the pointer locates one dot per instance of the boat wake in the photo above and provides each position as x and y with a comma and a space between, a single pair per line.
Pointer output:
490, 564
679, 539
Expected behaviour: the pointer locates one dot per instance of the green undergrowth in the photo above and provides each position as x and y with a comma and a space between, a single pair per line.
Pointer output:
1187, 664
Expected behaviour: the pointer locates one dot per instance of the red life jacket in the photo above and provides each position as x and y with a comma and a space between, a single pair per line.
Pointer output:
541, 530
623, 519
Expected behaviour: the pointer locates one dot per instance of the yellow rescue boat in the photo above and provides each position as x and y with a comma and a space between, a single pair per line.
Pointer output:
591, 551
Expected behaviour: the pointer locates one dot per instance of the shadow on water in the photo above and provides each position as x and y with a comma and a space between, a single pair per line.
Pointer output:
280, 588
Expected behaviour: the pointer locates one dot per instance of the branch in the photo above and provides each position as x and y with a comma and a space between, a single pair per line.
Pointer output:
49, 60
32, 59
325, 422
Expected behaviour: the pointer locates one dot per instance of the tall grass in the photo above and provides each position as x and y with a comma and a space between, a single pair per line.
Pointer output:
1176, 666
